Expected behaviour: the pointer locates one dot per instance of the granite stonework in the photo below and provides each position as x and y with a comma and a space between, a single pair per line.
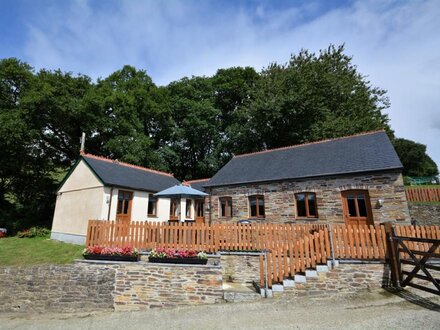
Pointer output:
425, 214
160, 285
345, 278
240, 268
279, 198
70, 288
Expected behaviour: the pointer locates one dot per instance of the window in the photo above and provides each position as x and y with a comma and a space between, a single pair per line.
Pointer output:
188, 208
225, 207
306, 205
174, 209
256, 206
152, 205
124, 199
200, 205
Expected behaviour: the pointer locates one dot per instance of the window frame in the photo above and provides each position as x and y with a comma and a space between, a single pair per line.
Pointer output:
307, 216
156, 200
228, 206
257, 208
176, 203
188, 216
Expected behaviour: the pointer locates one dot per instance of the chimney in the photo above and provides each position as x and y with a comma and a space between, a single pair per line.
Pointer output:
83, 143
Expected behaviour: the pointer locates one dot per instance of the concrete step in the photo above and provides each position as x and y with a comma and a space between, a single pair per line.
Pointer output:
239, 292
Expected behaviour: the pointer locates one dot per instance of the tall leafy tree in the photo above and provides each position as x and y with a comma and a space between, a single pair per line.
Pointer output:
312, 97
194, 150
414, 158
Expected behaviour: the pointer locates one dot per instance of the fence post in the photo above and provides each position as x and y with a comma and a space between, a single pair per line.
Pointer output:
393, 255
332, 251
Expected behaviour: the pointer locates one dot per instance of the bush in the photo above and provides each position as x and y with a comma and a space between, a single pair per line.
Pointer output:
34, 232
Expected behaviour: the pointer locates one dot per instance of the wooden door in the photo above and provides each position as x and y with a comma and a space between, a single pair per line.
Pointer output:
200, 211
123, 212
357, 207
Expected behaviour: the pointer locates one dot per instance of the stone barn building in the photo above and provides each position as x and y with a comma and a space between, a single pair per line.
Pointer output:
355, 179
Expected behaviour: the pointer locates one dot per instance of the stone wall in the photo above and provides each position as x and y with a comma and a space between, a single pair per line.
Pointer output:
425, 214
240, 268
345, 278
156, 285
279, 198
68, 288
90, 287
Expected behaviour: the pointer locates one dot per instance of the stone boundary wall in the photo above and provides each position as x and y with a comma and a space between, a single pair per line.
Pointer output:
425, 214
165, 285
240, 268
86, 287
51, 288
345, 278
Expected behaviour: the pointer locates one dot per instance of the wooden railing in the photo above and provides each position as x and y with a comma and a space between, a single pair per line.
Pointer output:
289, 248
430, 232
359, 242
209, 238
414, 194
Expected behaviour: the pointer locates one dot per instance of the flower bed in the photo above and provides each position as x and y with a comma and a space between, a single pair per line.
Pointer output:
175, 256
111, 253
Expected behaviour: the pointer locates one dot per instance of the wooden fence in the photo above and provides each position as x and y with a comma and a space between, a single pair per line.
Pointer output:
209, 238
291, 248
414, 194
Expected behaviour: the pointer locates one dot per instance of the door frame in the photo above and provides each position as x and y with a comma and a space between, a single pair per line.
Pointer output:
125, 217
369, 218
199, 203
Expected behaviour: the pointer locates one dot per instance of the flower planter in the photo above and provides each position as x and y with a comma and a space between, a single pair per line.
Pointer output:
111, 258
191, 261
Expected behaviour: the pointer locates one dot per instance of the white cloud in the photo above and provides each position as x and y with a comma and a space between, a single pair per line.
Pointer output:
396, 43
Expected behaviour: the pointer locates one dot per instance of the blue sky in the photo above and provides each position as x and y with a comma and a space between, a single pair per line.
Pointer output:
395, 43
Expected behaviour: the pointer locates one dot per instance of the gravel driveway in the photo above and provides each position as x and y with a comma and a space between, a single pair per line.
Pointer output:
377, 310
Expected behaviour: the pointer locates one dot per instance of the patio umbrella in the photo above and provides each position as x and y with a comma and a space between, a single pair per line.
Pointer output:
180, 191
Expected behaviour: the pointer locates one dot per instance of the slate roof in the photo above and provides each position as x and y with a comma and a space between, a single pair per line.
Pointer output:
119, 174
367, 152
198, 184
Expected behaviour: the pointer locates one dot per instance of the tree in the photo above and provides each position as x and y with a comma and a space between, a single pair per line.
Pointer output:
414, 158
312, 97
132, 119
194, 151
26, 184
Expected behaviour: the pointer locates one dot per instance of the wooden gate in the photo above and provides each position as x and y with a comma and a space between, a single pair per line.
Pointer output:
414, 252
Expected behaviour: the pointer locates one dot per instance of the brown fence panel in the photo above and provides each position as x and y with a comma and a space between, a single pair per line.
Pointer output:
358, 242
431, 194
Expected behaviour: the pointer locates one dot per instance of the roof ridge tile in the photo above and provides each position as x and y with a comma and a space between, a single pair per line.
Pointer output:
308, 143
115, 161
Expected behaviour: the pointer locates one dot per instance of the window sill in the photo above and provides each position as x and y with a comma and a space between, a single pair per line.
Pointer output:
152, 216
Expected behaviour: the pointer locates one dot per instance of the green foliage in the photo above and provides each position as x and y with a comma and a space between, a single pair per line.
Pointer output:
34, 232
414, 158
191, 127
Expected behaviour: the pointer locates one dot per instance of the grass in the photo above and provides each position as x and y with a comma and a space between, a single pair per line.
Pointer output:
16, 251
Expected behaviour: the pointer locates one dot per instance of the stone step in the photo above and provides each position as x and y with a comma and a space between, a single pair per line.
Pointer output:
230, 296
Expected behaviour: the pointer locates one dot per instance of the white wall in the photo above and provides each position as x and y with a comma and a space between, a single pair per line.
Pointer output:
81, 178
139, 207
73, 209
